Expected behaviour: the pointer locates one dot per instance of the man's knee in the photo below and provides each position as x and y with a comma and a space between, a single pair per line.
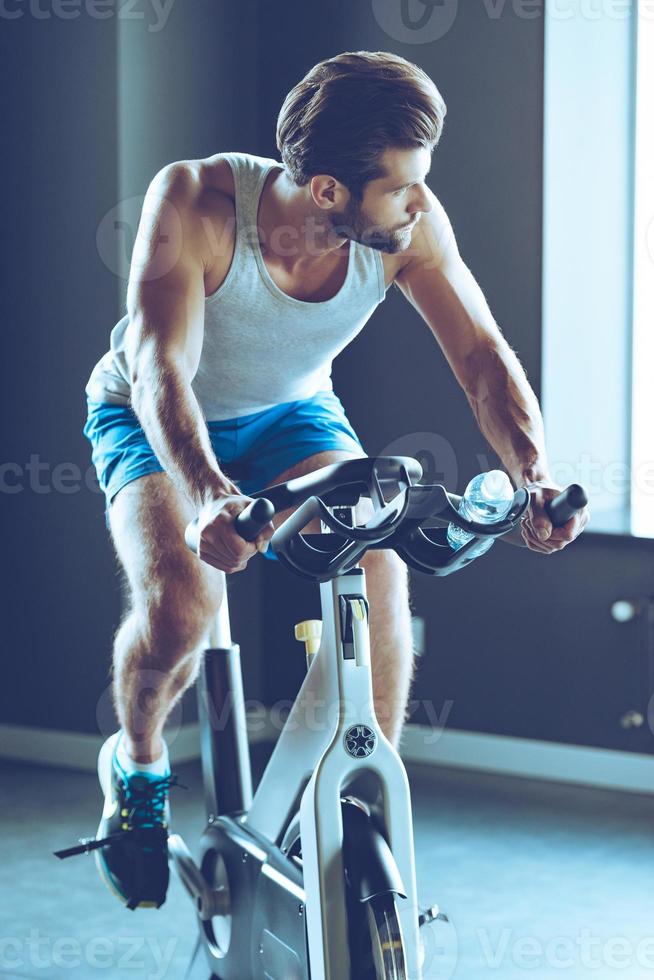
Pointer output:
172, 594
175, 613
387, 585
385, 564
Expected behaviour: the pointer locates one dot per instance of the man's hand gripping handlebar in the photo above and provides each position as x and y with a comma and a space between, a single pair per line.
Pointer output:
227, 534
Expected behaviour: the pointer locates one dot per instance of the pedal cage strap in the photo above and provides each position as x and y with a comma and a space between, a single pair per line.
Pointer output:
88, 844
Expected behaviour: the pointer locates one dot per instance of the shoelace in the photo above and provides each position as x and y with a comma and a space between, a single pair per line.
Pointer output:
147, 802
146, 799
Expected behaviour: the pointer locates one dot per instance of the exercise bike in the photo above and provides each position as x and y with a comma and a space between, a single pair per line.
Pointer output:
313, 876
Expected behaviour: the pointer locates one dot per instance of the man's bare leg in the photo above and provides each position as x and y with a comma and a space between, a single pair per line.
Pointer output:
391, 639
172, 599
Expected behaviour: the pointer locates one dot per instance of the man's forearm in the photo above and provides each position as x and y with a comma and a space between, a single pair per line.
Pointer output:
508, 414
173, 423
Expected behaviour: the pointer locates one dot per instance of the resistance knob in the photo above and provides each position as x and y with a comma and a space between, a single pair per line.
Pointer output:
309, 632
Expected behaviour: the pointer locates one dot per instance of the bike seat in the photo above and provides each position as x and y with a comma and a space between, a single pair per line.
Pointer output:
344, 483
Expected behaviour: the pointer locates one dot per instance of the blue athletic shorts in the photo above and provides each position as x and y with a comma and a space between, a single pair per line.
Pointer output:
253, 450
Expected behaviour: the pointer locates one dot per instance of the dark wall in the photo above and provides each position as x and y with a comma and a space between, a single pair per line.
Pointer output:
519, 643
60, 593
92, 109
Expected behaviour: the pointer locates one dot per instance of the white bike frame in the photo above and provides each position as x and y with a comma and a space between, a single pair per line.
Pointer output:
335, 698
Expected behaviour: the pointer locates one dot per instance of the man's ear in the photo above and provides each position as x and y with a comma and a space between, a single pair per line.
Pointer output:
325, 191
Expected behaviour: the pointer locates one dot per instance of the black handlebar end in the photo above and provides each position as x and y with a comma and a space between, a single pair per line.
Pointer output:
566, 504
255, 517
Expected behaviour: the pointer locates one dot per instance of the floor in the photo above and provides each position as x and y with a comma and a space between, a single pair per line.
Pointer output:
538, 879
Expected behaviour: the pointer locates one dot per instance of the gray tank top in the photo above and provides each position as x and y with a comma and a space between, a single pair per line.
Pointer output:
261, 347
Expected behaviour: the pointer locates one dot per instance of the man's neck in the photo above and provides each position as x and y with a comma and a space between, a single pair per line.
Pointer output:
288, 216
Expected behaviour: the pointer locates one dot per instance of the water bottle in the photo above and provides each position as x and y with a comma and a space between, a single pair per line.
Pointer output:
487, 498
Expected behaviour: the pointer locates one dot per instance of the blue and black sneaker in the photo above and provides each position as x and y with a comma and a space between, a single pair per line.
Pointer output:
131, 843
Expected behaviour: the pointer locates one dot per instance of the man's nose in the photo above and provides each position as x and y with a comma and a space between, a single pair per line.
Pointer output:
421, 204
424, 204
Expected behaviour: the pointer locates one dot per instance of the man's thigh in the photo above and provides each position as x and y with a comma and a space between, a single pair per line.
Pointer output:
147, 520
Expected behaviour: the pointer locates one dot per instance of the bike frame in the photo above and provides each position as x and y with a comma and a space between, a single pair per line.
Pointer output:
313, 762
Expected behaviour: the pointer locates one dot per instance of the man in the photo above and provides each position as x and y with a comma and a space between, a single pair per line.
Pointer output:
248, 277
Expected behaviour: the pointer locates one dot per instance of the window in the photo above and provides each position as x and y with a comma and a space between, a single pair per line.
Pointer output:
598, 259
642, 405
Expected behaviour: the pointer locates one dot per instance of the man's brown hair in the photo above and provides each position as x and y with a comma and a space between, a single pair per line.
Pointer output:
348, 109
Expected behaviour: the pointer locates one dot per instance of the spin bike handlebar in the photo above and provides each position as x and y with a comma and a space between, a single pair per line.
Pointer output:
398, 524
347, 481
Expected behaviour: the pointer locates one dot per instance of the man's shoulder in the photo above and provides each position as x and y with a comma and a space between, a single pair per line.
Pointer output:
190, 179
215, 174
207, 184
217, 171
194, 201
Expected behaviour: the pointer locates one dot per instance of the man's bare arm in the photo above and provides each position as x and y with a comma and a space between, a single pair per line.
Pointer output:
165, 304
437, 282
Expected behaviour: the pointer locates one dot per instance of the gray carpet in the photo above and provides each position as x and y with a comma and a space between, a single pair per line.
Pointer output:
539, 880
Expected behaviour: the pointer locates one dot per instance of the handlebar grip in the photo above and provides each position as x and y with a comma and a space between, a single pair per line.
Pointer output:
255, 517
560, 509
248, 523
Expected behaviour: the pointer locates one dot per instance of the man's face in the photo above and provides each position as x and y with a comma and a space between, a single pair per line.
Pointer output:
391, 205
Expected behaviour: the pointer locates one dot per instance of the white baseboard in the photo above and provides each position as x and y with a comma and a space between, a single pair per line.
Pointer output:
529, 758
523, 757
76, 750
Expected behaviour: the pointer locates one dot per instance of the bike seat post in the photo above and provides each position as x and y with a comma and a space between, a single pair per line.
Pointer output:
220, 635
223, 726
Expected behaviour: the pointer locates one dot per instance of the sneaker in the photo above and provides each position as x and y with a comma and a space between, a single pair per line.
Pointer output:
131, 843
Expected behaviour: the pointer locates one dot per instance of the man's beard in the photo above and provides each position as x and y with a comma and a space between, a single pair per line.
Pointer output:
353, 223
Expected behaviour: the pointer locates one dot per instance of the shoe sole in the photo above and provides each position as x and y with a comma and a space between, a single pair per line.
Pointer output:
105, 761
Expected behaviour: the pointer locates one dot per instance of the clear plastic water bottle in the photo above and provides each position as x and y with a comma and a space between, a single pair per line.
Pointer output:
487, 498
